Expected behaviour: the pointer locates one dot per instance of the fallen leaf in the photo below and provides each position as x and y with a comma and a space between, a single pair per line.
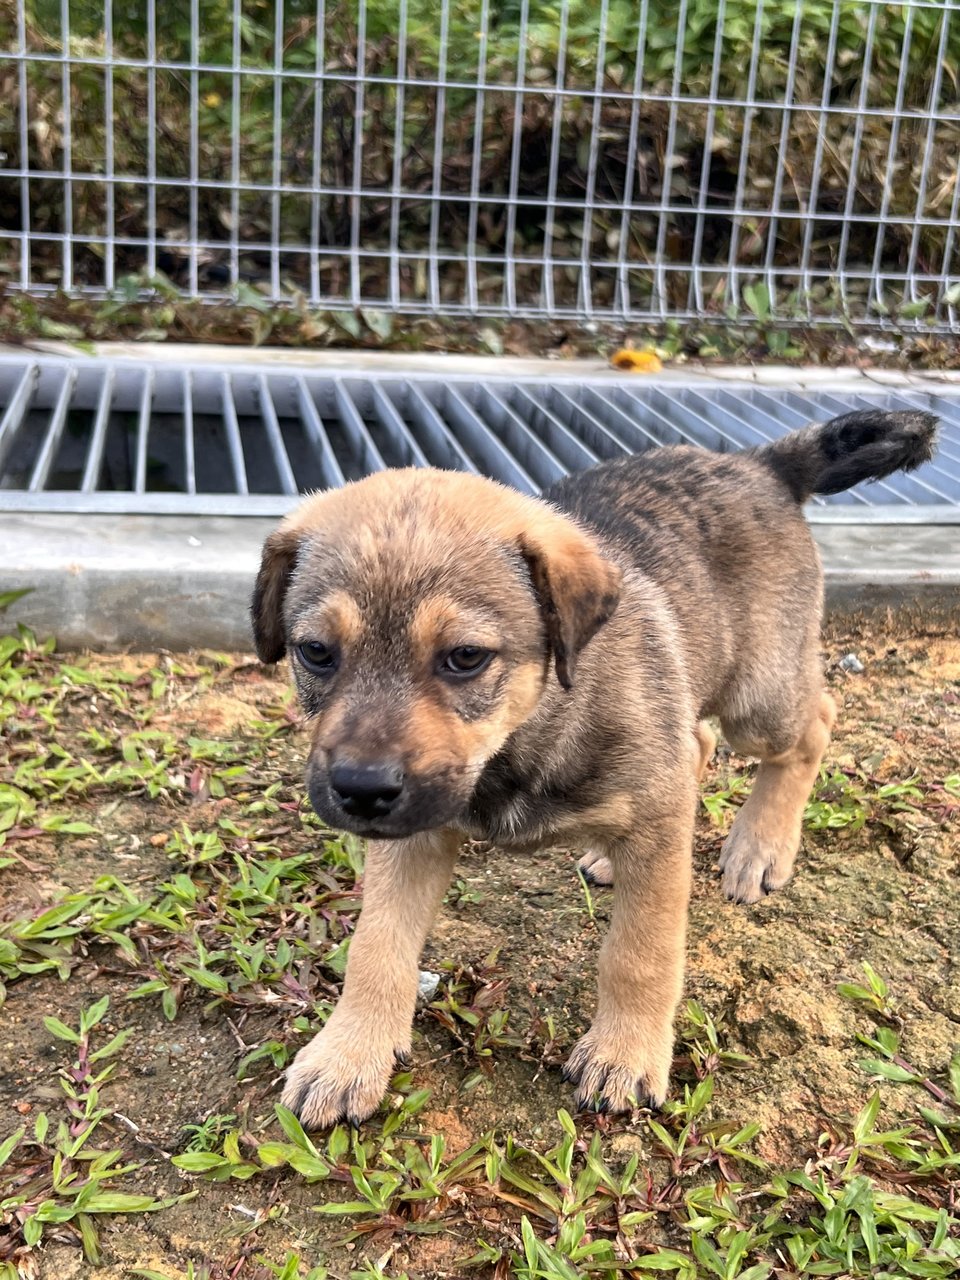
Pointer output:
636, 361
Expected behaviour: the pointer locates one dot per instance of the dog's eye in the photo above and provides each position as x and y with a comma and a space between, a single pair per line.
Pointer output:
467, 660
317, 657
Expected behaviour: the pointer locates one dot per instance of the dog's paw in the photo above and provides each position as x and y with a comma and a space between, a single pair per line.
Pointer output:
611, 1076
752, 867
332, 1079
596, 869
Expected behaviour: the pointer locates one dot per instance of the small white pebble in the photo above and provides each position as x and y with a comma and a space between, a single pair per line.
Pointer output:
427, 984
850, 662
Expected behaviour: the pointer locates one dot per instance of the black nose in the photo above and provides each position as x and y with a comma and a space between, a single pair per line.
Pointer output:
366, 790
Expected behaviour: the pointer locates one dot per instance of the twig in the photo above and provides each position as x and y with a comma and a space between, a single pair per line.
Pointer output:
244, 1047
135, 1130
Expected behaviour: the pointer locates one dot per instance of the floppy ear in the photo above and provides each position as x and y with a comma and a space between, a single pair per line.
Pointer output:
578, 589
266, 608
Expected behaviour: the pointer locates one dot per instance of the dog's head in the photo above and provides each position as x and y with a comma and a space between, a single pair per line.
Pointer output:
424, 613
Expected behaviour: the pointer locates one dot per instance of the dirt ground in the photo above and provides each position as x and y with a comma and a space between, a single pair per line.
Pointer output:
878, 881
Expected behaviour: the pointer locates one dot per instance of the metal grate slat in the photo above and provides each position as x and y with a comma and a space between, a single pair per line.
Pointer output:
139, 436
51, 441
507, 457
391, 421
368, 456
329, 466
444, 444
596, 434
189, 454
539, 462
16, 410
98, 439
574, 454
721, 410
672, 425
143, 432
234, 443
288, 481
630, 431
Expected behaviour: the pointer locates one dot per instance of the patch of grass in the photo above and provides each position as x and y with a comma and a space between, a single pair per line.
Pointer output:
461, 895
845, 799
470, 1007
292, 1268
575, 1210
52, 1175
701, 1037
876, 995
587, 896
235, 914
208, 1133
891, 1065
244, 907
720, 802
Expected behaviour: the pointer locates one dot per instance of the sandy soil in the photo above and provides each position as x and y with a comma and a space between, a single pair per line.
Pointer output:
887, 893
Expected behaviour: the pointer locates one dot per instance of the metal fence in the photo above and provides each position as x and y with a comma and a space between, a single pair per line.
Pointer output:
607, 159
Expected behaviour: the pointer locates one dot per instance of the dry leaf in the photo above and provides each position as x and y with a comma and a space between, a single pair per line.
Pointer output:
636, 361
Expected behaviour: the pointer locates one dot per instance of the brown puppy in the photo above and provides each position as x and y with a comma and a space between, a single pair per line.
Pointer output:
477, 662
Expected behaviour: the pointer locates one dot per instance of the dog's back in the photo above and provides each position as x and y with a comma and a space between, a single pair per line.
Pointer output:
723, 535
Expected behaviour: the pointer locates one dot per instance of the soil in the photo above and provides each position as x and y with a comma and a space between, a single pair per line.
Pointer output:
888, 893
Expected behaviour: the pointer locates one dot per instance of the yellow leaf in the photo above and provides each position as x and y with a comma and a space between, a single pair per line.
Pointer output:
636, 361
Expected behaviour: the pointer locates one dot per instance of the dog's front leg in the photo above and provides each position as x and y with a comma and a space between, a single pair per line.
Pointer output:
343, 1073
624, 1059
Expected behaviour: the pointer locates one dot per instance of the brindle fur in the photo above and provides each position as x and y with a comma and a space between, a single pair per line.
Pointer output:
634, 600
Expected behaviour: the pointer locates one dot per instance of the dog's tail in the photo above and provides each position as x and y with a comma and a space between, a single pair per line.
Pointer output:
866, 445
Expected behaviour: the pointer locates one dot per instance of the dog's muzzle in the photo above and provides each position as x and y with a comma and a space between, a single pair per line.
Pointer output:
380, 801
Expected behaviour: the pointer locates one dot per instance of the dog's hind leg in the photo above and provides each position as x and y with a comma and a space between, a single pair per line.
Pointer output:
595, 867
758, 854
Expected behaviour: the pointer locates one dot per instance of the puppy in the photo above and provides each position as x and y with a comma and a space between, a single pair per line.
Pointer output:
528, 671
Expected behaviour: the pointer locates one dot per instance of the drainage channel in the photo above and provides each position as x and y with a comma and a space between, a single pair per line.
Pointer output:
180, 471
102, 436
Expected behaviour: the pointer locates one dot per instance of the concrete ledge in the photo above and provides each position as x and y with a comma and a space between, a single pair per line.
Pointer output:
440, 365
178, 582
134, 582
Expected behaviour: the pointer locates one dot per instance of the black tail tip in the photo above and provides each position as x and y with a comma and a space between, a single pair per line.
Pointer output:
906, 437
921, 430
869, 445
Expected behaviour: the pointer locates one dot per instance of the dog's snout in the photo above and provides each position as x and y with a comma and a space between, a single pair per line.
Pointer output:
366, 790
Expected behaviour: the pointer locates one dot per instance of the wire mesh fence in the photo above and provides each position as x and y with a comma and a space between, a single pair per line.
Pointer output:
613, 159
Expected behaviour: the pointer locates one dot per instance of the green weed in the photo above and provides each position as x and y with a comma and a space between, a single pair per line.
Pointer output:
249, 905
52, 1175
875, 996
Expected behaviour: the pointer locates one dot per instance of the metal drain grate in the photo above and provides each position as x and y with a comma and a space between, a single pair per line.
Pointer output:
98, 436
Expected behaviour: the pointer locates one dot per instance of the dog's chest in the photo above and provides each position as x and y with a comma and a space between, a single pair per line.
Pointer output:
514, 809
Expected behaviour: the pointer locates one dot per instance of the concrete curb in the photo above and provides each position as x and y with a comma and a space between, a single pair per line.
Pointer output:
440, 364
178, 582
